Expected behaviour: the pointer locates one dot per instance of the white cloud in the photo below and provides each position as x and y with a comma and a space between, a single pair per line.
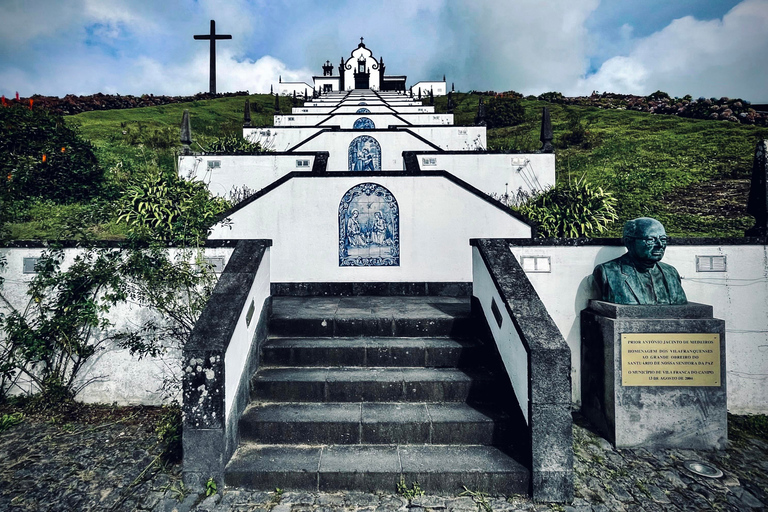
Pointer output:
689, 56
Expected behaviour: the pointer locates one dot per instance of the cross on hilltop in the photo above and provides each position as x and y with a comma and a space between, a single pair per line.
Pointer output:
212, 37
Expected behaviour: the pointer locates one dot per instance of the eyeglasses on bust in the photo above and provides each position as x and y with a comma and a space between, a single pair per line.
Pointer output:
650, 241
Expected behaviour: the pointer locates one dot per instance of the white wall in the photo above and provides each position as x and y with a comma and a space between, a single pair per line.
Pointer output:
438, 88
288, 88
120, 377
437, 219
739, 296
495, 173
252, 171
453, 138
393, 143
279, 139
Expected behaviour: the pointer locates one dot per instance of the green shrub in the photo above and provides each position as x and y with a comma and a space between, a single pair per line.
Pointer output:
43, 157
504, 111
234, 143
160, 206
571, 210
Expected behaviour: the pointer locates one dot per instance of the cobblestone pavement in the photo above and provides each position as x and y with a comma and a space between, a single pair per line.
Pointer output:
73, 467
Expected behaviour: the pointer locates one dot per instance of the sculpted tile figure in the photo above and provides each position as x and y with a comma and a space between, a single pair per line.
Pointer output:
639, 276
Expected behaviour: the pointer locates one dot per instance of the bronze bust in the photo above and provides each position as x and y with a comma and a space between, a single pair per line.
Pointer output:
639, 276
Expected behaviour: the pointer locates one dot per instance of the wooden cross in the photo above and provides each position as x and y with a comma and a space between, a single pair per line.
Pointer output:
212, 37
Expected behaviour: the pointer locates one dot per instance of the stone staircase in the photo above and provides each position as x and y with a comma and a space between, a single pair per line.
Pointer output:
358, 393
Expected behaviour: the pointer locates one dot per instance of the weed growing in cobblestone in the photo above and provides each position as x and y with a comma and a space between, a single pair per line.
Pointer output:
211, 487
275, 499
169, 430
479, 497
409, 492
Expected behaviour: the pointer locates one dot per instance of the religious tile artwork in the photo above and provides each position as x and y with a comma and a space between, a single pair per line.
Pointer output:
363, 110
369, 227
362, 103
364, 154
364, 123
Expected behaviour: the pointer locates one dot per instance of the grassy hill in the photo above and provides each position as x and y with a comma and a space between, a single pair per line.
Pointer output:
693, 175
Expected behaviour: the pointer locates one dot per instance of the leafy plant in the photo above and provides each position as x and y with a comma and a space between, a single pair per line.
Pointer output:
571, 210
169, 430
276, 498
64, 323
211, 487
409, 493
10, 420
161, 206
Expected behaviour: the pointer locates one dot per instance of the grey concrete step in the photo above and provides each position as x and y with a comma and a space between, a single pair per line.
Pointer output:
437, 468
370, 351
393, 384
374, 423
370, 316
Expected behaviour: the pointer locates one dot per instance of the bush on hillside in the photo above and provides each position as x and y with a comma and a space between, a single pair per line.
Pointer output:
45, 158
571, 210
504, 111
234, 143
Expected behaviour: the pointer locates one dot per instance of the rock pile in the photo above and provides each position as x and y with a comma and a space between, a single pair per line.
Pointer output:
734, 110
71, 104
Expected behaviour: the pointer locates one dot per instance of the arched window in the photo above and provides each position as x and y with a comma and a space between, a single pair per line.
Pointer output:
364, 123
363, 111
369, 227
364, 154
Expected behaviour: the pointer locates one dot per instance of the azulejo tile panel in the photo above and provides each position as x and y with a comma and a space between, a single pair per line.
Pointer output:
364, 123
369, 227
364, 154
363, 111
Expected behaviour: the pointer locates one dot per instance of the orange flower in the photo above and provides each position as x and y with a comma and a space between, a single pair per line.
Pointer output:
63, 149
44, 158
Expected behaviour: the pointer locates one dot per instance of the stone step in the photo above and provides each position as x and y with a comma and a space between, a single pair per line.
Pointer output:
373, 423
437, 468
394, 384
370, 316
368, 351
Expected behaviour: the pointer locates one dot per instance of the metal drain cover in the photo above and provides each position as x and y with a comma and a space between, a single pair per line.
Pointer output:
701, 469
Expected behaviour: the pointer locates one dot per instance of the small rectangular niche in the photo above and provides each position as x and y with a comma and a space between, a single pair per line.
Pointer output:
291, 118
214, 164
302, 163
711, 264
215, 262
534, 264
429, 161
28, 265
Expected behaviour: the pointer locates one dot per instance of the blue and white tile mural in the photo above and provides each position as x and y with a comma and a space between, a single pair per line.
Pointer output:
362, 103
364, 123
364, 154
369, 227
363, 111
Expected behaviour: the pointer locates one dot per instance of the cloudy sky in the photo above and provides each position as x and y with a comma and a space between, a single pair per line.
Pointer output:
698, 47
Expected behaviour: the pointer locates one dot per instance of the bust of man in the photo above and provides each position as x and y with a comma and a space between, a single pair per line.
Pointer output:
639, 276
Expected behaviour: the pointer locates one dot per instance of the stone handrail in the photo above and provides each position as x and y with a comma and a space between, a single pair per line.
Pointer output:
537, 360
219, 359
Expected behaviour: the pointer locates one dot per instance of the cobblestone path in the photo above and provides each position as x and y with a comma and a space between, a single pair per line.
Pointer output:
74, 467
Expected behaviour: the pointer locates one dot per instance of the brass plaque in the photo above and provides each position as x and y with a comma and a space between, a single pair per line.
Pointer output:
670, 359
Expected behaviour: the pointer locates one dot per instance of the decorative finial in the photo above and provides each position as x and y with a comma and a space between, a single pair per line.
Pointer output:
186, 133
546, 132
247, 114
757, 205
480, 117
361, 42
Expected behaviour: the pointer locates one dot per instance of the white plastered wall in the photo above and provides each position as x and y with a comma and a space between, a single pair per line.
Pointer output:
494, 173
279, 139
738, 296
437, 219
119, 376
437, 88
288, 88
393, 143
252, 171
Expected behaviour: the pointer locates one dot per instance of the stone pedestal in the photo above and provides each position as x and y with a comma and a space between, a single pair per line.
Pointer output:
669, 412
